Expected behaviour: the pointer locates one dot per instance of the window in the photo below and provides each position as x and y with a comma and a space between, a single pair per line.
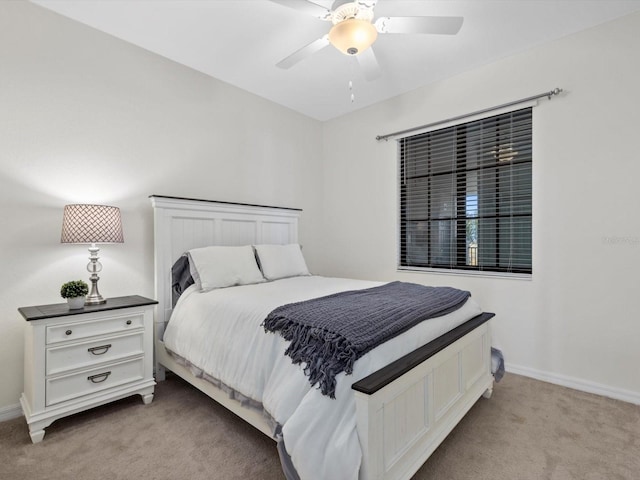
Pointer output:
465, 196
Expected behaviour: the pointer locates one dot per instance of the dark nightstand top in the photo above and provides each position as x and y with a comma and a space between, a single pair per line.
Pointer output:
40, 312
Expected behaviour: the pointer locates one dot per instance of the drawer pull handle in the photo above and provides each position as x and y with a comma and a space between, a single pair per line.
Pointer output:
97, 350
99, 378
128, 322
68, 332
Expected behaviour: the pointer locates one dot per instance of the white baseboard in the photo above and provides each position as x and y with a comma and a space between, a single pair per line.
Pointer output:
576, 383
10, 412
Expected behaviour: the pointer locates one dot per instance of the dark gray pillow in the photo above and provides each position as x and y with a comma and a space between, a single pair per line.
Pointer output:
181, 278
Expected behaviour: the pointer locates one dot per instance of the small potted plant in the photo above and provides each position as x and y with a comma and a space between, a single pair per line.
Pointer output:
74, 292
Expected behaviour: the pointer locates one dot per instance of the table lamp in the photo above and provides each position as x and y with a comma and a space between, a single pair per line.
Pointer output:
92, 224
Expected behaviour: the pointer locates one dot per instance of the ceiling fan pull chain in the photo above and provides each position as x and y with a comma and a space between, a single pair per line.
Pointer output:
352, 67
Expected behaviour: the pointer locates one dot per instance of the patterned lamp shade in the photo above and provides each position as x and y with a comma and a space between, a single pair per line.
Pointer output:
91, 224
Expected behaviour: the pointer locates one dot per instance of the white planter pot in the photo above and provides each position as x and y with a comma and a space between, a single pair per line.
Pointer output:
75, 303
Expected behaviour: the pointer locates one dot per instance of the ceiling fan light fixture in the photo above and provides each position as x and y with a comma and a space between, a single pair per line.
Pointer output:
353, 36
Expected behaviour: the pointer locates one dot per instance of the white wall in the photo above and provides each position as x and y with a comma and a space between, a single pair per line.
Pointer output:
576, 321
85, 117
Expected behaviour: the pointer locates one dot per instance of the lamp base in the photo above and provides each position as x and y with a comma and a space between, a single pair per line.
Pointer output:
95, 300
94, 267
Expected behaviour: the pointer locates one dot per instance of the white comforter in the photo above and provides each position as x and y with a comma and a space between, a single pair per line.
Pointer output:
219, 331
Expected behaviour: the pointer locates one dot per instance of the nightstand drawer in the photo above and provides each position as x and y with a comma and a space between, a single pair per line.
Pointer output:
79, 329
94, 380
87, 354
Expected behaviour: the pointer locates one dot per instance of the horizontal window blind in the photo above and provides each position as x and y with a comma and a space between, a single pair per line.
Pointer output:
465, 195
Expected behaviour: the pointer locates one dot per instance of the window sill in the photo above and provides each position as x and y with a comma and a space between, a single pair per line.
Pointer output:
467, 273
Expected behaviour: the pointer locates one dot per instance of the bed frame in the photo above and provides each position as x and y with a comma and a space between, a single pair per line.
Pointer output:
404, 411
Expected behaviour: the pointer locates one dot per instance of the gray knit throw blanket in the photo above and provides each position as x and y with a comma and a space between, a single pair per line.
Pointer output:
328, 334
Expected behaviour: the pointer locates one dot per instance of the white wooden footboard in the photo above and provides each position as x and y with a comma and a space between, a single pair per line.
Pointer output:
403, 422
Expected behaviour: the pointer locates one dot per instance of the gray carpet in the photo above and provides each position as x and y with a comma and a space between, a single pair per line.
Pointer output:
528, 430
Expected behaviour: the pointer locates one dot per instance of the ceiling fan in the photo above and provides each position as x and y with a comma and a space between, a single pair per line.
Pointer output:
354, 30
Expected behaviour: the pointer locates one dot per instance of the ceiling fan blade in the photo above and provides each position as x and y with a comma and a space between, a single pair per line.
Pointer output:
433, 25
369, 64
309, 8
304, 52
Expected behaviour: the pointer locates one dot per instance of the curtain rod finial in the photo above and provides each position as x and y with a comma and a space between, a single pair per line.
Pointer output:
555, 91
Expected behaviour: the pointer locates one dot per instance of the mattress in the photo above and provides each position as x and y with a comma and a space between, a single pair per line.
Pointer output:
220, 333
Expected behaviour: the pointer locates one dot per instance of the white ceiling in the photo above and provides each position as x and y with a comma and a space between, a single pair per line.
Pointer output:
240, 41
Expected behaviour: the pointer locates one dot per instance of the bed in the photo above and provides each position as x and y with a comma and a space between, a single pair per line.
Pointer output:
401, 411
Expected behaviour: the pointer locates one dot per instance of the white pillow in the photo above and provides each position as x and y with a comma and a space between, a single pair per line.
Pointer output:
218, 266
281, 261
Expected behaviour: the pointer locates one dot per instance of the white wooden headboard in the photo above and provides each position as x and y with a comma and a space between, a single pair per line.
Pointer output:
181, 224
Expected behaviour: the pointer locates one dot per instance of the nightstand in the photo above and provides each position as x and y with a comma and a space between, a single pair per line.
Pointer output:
78, 359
